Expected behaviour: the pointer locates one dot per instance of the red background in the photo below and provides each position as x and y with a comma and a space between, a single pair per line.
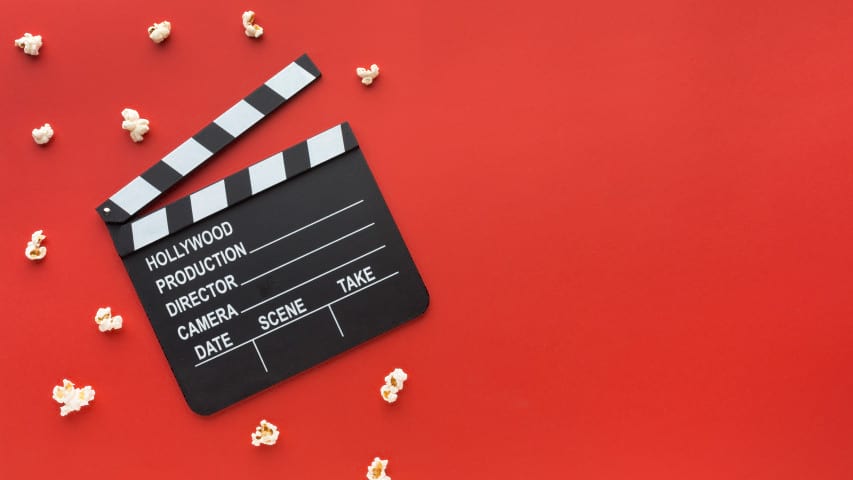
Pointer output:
634, 220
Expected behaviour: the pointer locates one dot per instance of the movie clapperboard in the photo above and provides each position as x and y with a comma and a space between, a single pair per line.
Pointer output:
271, 270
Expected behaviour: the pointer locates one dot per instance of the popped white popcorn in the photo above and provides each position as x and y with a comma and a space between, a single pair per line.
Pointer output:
396, 378
252, 29
376, 470
366, 75
389, 393
266, 434
106, 321
43, 134
30, 43
393, 383
135, 125
35, 250
72, 398
160, 31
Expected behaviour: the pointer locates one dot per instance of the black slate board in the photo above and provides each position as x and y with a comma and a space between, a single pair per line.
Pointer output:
293, 244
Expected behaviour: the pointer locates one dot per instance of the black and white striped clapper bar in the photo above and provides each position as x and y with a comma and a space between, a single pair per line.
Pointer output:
269, 271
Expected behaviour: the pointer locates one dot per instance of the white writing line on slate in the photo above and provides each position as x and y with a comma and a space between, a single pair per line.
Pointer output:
263, 363
306, 254
252, 341
305, 226
335, 318
311, 279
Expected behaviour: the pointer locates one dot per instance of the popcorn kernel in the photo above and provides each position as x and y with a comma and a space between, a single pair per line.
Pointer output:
396, 378
135, 125
30, 43
367, 75
265, 434
160, 31
106, 321
253, 30
43, 134
72, 398
35, 250
389, 393
376, 470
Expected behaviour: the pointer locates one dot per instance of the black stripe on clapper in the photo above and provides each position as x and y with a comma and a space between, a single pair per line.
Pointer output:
238, 187
213, 137
122, 237
349, 138
161, 176
308, 65
179, 214
264, 99
296, 160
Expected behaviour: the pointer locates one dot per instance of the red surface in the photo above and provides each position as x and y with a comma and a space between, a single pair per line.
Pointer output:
634, 219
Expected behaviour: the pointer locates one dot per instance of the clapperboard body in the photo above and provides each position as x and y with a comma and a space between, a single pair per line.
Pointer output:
271, 270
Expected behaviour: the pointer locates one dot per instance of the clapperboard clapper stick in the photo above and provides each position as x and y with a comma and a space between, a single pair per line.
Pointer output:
271, 270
